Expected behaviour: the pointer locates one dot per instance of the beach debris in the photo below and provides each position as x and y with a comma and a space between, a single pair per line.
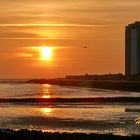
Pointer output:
137, 121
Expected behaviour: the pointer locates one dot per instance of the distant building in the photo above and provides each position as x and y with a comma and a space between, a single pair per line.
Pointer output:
118, 76
132, 49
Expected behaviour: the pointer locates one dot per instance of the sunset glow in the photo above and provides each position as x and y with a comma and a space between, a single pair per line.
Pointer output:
52, 35
70, 69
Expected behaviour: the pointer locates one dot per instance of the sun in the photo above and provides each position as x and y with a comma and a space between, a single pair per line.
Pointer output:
46, 53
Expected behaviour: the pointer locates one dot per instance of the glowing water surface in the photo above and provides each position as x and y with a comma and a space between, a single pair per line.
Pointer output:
54, 91
113, 118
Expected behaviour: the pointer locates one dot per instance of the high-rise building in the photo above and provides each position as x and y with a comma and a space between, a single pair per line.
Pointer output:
132, 49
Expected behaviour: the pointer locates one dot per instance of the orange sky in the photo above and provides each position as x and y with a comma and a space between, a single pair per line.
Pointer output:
67, 26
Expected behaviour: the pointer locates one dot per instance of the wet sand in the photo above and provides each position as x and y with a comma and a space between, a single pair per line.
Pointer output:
7, 134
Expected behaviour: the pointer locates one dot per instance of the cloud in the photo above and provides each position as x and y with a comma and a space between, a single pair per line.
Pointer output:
52, 25
17, 35
68, 12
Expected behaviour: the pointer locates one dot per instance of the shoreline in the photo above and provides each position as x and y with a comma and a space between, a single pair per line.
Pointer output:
8, 134
121, 85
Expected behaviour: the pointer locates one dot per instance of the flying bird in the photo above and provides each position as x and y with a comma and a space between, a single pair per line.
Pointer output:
85, 47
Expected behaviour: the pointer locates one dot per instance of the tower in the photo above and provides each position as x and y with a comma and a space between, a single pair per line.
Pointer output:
132, 49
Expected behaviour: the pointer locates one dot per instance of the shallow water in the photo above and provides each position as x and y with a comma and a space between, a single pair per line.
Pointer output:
116, 118
11, 90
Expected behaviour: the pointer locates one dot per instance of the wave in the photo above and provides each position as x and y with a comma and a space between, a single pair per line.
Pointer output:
72, 100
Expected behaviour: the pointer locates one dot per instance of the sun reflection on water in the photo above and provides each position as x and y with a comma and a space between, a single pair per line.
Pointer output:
46, 85
46, 96
46, 110
46, 92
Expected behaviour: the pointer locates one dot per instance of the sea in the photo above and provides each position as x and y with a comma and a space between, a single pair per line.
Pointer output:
118, 118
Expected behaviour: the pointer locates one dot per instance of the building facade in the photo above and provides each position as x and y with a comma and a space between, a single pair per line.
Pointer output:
132, 49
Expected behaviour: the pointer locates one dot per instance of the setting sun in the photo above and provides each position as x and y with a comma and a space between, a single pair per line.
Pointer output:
46, 53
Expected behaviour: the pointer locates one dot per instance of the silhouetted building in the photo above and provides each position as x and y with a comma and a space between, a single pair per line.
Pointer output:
132, 49
118, 76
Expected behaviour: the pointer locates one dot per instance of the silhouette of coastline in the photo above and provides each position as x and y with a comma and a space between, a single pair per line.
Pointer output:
130, 84
7, 134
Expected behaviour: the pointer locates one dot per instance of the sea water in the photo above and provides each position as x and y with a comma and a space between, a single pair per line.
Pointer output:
93, 117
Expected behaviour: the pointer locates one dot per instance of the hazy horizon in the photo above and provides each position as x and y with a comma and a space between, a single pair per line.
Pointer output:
83, 36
